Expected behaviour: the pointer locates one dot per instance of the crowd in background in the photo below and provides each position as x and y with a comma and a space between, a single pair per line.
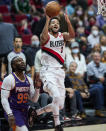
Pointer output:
85, 61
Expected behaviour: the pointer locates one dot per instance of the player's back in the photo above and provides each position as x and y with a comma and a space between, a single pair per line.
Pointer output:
53, 52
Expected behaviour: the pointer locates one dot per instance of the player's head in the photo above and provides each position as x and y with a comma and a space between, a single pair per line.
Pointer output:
54, 25
18, 64
18, 42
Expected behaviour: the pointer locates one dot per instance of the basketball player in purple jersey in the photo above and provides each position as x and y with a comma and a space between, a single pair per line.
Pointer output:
52, 60
16, 89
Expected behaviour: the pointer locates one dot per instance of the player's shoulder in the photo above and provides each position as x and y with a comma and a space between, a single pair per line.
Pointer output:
9, 77
29, 79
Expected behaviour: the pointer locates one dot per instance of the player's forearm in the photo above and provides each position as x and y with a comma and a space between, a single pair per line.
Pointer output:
71, 30
36, 96
3, 68
4, 101
44, 34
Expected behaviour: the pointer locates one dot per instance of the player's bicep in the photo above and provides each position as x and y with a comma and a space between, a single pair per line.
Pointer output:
7, 84
5, 94
44, 39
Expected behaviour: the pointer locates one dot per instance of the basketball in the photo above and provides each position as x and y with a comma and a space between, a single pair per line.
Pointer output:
52, 9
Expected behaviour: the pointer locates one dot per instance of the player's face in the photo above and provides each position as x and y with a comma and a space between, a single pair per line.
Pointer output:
54, 25
20, 64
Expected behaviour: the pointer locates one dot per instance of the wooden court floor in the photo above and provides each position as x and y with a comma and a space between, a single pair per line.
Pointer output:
101, 127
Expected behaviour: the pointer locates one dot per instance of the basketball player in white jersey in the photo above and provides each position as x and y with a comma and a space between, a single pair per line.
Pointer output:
52, 60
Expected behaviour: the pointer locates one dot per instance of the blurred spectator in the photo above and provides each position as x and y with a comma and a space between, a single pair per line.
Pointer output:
90, 12
7, 33
101, 21
70, 8
21, 6
31, 52
84, 48
16, 52
94, 6
82, 91
76, 56
94, 37
96, 48
82, 3
104, 57
78, 14
103, 43
75, 82
80, 31
24, 27
77, 17
96, 75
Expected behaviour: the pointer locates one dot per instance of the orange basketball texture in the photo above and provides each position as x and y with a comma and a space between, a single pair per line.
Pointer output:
53, 9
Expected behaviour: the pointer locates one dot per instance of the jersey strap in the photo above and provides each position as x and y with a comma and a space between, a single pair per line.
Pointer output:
53, 54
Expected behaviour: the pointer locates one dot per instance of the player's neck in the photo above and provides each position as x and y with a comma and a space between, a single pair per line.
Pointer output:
54, 34
20, 75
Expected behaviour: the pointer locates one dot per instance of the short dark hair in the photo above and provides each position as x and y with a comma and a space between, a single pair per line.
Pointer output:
12, 63
57, 18
17, 36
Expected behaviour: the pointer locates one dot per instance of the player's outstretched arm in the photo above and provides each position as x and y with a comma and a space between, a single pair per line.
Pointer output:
44, 35
70, 34
34, 93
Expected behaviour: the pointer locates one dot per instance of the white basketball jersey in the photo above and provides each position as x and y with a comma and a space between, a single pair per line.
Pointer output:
53, 51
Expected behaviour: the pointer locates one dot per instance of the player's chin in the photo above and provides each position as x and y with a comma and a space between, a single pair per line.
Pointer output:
55, 30
23, 68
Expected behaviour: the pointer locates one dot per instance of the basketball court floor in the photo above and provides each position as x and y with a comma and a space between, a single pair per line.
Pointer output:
101, 127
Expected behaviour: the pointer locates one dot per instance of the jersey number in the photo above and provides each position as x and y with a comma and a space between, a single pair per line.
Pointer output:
62, 49
22, 98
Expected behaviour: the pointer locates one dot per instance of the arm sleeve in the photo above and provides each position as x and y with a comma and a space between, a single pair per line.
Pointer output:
7, 86
4, 100
34, 94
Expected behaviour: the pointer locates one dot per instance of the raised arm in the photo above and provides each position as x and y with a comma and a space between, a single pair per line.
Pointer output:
70, 34
44, 35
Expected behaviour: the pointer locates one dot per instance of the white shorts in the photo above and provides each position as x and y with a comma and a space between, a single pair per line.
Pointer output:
53, 80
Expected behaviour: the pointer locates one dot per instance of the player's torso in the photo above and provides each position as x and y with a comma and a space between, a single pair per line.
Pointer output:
53, 52
19, 95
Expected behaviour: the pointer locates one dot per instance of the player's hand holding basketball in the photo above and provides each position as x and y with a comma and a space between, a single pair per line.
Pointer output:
11, 120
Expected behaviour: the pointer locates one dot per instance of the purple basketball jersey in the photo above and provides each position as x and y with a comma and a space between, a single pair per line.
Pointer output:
19, 95
18, 101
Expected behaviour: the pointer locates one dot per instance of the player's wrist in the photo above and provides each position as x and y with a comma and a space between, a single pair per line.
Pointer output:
10, 114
